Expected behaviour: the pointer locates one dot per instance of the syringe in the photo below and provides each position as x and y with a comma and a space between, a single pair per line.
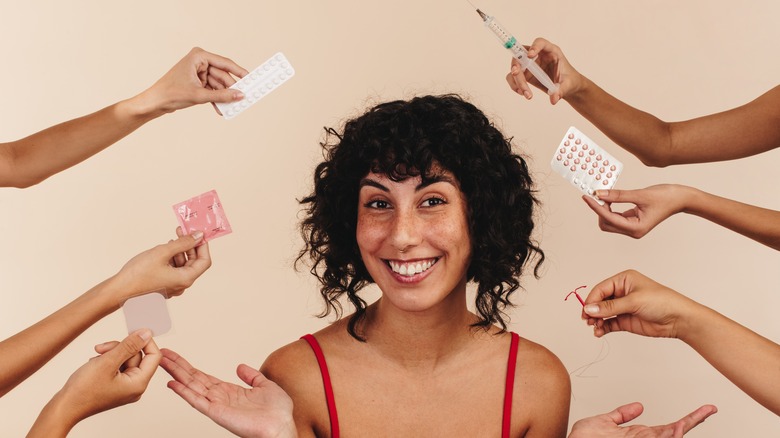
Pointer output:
519, 52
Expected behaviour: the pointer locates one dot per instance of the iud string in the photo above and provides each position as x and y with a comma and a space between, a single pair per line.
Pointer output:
603, 353
576, 295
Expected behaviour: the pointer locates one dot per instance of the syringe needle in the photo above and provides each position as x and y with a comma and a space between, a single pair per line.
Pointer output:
518, 51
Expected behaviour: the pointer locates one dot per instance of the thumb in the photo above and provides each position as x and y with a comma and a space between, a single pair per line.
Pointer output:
250, 376
626, 413
105, 347
610, 308
129, 347
619, 196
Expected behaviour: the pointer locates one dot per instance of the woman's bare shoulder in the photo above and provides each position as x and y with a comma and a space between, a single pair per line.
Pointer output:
543, 379
295, 369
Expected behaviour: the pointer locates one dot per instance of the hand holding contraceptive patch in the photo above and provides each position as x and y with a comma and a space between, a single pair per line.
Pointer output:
203, 213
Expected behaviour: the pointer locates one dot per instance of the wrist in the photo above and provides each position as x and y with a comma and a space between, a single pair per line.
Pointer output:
691, 321
289, 430
143, 107
278, 427
579, 88
55, 419
693, 200
113, 293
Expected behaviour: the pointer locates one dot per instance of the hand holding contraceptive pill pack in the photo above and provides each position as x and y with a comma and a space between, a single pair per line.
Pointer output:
201, 213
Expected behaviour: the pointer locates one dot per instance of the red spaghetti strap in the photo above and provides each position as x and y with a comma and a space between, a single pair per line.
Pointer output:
506, 424
334, 416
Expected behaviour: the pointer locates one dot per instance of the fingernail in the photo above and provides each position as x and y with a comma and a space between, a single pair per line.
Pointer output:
591, 309
600, 193
514, 70
197, 235
237, 95
527, 94
145, 334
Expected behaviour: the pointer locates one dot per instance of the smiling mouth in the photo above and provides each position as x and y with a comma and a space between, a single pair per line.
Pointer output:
409, 269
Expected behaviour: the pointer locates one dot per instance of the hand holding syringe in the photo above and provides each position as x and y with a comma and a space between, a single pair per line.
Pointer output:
519, 52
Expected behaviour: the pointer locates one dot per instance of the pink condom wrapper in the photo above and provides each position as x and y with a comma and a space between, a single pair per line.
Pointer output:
203, 213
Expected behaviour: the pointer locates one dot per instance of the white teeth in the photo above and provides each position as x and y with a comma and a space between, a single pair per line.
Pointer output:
409, 269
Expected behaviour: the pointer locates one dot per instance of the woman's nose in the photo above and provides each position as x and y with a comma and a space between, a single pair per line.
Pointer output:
406, 232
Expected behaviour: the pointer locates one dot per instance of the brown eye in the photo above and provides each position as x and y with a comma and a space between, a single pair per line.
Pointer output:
378, 204
432, 202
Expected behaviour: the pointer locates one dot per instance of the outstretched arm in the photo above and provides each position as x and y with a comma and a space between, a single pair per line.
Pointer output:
199, 77
27, 351
739, 132
634, 303
656, 203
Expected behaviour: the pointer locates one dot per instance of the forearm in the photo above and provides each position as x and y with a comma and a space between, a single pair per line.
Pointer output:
27, 351
54, 421
759, 224
45, 153
740, 132
729, 346
636, 131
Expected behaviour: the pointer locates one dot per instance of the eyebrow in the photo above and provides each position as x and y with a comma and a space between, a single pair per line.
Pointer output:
432, 180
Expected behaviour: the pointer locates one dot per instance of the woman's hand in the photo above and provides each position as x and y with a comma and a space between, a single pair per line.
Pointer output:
554, 63
609, 425
171, 267
260, 411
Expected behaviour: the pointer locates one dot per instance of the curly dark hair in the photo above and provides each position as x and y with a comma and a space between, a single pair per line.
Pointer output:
403, 139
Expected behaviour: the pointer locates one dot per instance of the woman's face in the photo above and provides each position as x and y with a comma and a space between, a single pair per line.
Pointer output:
414, 237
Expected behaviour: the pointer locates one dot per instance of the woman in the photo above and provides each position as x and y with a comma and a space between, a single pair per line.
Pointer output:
421, 197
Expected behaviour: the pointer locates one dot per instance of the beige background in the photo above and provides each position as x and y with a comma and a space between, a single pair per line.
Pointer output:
675, 59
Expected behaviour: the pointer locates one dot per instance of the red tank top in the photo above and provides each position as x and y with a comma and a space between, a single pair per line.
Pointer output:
506, 422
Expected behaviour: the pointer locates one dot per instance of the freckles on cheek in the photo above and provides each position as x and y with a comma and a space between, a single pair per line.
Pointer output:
368, 232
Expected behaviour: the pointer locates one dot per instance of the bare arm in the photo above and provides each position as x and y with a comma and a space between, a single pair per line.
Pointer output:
642, 306
729, 346
551, 389
27, 351
198, 78
740, 132
759, 224
656, 203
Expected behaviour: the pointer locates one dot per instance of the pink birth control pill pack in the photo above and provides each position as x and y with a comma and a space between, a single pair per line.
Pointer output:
203, 213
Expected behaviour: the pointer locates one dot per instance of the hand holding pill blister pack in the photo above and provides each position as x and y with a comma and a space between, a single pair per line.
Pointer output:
259, 83
579, 160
